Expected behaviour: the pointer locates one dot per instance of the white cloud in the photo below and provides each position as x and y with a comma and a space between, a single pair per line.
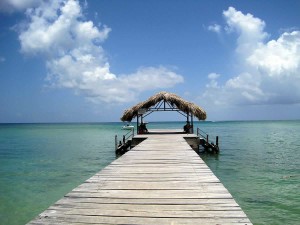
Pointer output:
148, 78
249, 28
56, 27
17, 5
271, 69
278, 57
213, 80
215, 28
75, 58
213, 76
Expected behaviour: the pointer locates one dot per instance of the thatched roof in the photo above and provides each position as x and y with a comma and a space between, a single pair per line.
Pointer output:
172, 99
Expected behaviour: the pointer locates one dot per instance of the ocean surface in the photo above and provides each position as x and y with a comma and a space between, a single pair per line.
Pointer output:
259, 164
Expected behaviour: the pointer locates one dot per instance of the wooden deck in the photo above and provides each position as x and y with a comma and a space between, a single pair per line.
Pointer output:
160, 181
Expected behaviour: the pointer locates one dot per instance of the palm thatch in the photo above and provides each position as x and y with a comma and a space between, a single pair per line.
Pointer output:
173, 99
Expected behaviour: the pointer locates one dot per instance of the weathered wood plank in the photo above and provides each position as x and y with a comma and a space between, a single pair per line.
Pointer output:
154, 213
147, 207
147, 201
152, 185
75, 219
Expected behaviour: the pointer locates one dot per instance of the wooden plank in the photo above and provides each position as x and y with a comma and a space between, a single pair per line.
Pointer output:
161, 181
147, 201
147, 207
78, 219
182, 185
148, 212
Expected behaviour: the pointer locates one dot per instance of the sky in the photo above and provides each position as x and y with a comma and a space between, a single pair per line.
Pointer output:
88, 61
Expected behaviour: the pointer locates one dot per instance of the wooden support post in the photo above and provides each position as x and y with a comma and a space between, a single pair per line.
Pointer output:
192, 123
123, 139
217, 141
137, 124
207, 138
116, 142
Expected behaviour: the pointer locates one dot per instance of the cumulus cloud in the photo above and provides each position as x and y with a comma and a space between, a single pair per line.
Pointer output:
76, 59
278, 57
271, 68
250, 29
17, 5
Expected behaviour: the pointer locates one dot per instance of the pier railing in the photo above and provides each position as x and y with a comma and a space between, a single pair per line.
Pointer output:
205, 139
126, 137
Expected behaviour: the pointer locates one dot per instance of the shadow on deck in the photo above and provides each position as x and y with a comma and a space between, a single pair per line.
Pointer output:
165, 131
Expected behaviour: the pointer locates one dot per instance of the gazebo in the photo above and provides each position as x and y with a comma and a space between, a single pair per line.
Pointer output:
164, 101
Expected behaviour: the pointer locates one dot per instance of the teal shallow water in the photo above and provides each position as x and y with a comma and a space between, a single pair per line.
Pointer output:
259, 163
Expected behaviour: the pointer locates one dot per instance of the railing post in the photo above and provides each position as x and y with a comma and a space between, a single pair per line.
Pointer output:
116, 142
123, 139
207, 138
217, 141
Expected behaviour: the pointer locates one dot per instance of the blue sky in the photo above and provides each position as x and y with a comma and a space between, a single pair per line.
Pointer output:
87, 61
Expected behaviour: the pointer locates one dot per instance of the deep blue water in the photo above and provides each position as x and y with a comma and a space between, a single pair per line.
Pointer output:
259, 163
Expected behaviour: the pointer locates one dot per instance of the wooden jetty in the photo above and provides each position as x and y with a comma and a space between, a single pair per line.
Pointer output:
160, 181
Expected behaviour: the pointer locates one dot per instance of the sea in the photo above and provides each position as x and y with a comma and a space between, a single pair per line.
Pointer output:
259, 163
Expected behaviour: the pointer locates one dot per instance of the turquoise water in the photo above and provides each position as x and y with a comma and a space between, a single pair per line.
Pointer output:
259, 163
